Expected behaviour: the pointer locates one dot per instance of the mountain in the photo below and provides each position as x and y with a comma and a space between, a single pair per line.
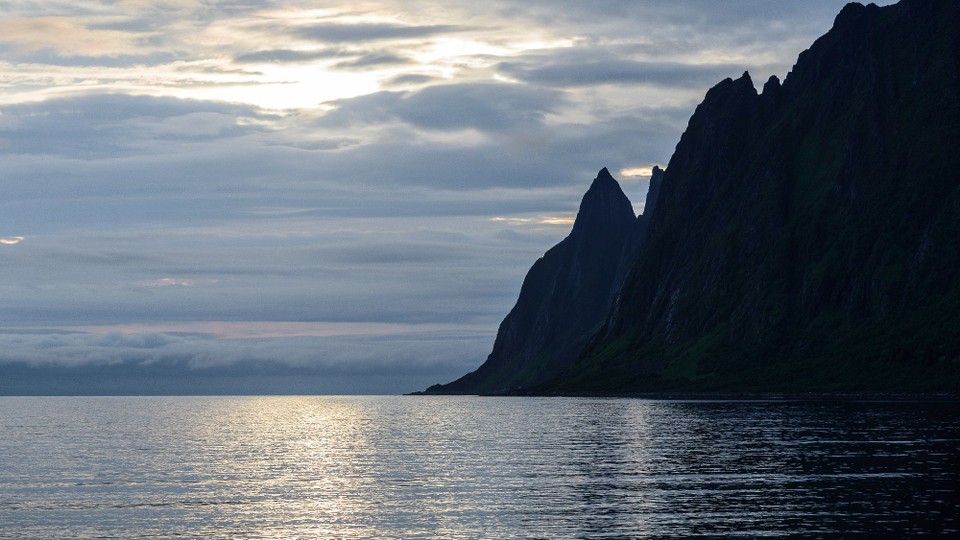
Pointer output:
565, 296
805, 238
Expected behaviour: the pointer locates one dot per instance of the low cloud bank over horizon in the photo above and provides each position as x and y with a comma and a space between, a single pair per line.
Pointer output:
38, 361
398, 163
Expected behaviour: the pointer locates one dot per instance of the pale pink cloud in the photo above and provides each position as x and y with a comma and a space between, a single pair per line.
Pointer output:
66, 36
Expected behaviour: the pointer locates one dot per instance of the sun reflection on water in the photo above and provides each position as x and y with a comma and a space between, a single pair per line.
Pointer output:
466, 467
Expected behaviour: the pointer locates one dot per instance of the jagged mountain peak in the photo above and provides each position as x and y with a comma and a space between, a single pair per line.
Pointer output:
565, 296
604, 183
604, 205
853, 13
730, 87
771, 86
604, 175
653, 193
727, 99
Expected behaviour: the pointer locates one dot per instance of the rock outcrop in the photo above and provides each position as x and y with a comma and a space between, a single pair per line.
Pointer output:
565, 296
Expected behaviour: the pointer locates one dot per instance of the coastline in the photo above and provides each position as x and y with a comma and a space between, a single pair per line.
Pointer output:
945, 397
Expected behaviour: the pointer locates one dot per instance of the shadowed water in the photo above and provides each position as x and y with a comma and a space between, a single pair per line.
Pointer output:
452, 467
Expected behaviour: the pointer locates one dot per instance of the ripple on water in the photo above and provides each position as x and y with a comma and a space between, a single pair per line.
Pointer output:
468, 467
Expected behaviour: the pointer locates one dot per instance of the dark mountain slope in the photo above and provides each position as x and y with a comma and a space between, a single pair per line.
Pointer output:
565, 296
806, 238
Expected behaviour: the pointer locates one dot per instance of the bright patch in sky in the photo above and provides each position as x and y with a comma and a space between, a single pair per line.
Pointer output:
565, 220
273, 58
637, 171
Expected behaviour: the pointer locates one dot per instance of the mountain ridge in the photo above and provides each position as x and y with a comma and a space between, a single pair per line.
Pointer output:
806, 236
801, 239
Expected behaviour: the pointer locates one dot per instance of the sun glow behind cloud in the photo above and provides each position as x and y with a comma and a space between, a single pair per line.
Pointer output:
289, 87
642, 172
280, 59
538, 220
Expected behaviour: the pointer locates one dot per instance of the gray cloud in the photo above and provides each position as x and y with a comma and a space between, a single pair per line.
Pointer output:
365, 32
493, 107
346, 354
388, 254
488, 107
413, 78
397, 230
703, 20
571, 72
110, 61
287, 56
101, 125
80, 363
373, 60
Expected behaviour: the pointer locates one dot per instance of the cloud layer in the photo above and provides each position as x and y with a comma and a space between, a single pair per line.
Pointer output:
398, 163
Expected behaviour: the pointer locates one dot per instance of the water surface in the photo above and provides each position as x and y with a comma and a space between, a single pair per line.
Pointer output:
469, 467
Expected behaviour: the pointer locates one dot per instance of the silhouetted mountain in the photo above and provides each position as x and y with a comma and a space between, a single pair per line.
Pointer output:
565, 296
806, 238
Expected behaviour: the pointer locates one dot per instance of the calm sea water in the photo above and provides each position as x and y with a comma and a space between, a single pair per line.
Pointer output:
452, 467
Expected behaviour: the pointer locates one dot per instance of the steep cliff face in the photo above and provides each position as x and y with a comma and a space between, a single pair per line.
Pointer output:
565, 296
806, 237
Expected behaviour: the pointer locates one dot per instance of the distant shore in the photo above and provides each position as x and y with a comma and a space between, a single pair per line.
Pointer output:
744, 396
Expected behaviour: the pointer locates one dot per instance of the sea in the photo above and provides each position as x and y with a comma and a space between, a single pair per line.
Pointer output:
475, 467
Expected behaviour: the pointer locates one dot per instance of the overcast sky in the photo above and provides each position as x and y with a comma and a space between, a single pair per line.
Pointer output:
224, 195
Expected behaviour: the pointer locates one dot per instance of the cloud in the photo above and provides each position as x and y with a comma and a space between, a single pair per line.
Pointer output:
65, 36
487, 107
170, 282
373, 60
565, 221
344, 354
569, 72
99, 125
390, 269
409, 79
286, 56
366, 32
66, 59
645, 171
80, 363
408, 253
395, 229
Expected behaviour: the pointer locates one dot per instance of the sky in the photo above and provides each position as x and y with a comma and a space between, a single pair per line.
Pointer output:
226, 196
